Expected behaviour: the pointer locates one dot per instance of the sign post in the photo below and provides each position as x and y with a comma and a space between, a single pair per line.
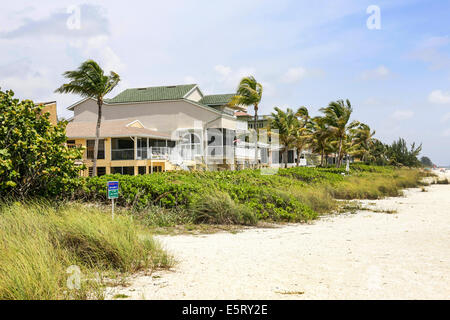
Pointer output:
113, 193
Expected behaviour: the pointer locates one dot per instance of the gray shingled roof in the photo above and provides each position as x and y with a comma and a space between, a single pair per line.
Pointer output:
152, 94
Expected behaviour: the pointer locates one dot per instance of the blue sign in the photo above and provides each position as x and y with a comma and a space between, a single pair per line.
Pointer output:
113, 185
113, 189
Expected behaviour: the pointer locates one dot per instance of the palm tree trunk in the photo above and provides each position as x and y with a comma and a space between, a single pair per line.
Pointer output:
338, 162
256, 140
97, 137
299, 151
285, 157
321, 158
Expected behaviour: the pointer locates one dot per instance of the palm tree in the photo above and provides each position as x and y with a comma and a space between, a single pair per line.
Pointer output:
320, 137
90, 81
337, 116
362, 141
249, 93
302, 132
378, 153
285, 123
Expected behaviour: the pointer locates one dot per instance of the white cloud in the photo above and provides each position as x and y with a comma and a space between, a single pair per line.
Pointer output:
446, 117
297, 74
269, 89
29, 86
437, 41
229, 78
222, 70
294, 75
446, 133
190, 79
439, 97
402, 115
97, 48
92, 22
432, 51
377, 73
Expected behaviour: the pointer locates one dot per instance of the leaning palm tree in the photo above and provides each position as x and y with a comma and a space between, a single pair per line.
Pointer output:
249, 93
337, 116
362, 141
302, 133
320, 137
90, 81
285, 123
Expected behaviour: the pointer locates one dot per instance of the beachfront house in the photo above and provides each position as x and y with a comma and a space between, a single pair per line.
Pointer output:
164, 128
263, 124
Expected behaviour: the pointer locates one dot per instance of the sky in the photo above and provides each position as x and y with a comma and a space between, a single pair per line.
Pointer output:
394, 66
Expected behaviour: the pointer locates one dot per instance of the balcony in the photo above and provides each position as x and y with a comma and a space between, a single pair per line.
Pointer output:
122, 154
154, 153
242, 150
151, 153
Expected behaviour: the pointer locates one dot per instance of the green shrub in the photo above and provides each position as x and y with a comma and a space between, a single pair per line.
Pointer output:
443, 181
294, 194
34, 160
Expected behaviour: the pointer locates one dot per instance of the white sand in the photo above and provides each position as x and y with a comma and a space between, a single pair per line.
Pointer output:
367, 255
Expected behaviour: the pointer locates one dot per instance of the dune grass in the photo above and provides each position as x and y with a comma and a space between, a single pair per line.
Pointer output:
377, 185
40, 242
247, 197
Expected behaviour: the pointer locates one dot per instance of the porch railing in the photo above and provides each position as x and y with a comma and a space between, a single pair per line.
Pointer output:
241, 150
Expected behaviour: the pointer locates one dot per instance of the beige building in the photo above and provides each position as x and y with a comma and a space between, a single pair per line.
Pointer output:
50, 107
162, 128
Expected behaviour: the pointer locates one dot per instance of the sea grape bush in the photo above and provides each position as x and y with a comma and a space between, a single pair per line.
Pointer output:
34, 160
271, 197
186, 190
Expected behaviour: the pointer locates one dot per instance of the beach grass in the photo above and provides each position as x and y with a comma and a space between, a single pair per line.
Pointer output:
44, 246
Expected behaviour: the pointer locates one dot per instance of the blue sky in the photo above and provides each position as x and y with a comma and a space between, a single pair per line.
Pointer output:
304, 53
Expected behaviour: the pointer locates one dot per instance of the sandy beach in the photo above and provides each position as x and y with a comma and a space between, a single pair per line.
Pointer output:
367, 255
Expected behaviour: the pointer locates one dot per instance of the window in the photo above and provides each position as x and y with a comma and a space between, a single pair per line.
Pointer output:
157, 143
155, 169
122, 149
190, 146
101, 149
71, 144
101, 171
123, 170
141, 170
142, 148
291, 156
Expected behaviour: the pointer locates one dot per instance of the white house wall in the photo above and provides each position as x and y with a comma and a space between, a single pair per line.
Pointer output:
164, 116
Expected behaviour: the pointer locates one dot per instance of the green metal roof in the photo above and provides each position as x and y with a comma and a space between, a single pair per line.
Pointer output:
217, 99
152, 94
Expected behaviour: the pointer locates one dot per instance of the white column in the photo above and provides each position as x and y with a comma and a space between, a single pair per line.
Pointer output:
135, 148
